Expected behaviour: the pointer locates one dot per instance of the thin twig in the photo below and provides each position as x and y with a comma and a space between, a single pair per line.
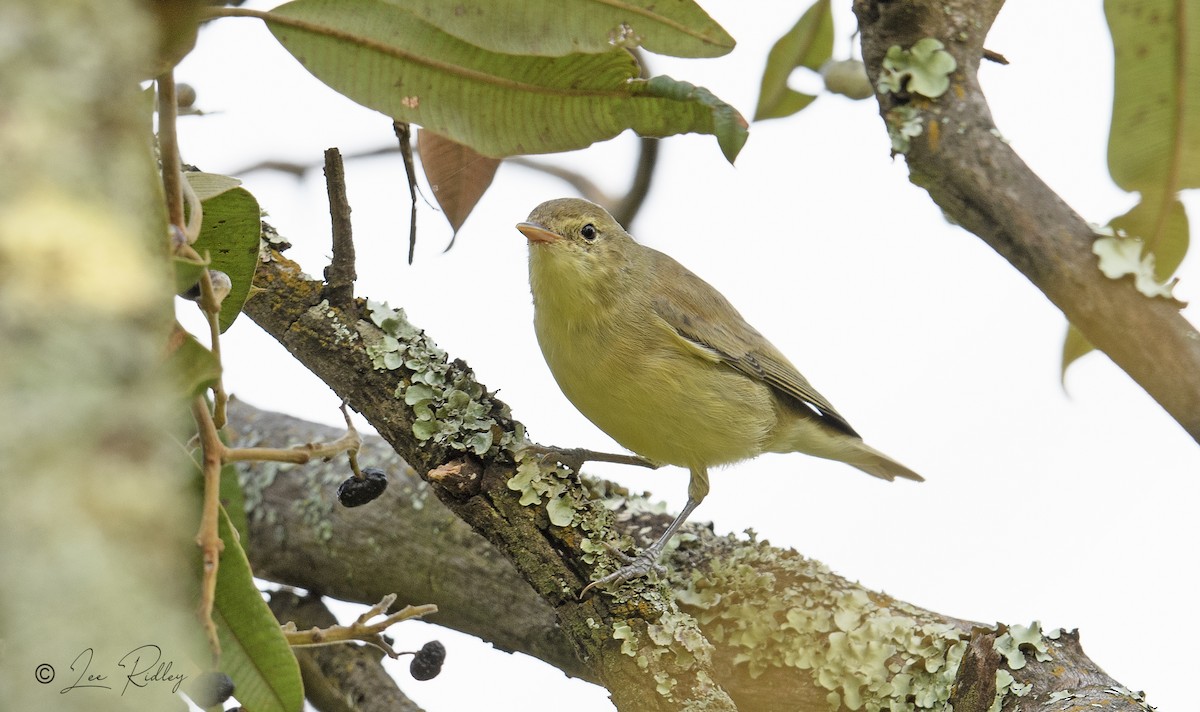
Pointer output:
168, 149
360, 629
404, 134
626, 209
340, 274
172, 177
350, 442
209, 538
994, 56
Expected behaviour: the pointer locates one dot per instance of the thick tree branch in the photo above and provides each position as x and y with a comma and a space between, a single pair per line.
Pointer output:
983, 185
785, 632
399, 379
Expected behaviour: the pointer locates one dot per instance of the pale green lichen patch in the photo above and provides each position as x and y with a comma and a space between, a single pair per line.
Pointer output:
449, 407
1005, 684
924, 69
904, 123
539, 484
1018, 639
869, 652
673, 645
1122, 255
623, 632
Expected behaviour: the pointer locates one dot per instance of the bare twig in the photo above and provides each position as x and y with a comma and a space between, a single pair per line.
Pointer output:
360, 630
209, 538
340, 274
626, 209
404, 135
349, 442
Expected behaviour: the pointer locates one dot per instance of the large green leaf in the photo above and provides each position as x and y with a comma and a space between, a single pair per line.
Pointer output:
388, 59
1162, 225
1075, 346
1154, 143
254, 652
553, 28
229, 235
808, 44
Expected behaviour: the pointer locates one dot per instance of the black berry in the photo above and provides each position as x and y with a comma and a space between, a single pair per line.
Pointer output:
210, 689
355, 492
427, 662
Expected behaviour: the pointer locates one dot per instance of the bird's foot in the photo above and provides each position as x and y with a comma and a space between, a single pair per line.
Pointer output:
634, 567
575, 457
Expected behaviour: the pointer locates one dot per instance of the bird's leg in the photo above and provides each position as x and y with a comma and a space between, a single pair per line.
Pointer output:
575, 457
647, 561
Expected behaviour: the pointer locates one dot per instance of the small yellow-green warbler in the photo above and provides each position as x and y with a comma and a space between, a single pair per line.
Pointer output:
663, 363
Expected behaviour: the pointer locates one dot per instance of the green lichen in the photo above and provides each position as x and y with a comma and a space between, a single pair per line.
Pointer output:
778, 609
449, 407
623, 632
904, 123
539, 484
1005, 683
1017, 638
924, 69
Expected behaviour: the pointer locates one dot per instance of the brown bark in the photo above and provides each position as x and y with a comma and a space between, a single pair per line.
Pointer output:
736, 623
983, 185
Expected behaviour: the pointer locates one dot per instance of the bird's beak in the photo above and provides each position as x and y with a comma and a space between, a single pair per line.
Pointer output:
537, 233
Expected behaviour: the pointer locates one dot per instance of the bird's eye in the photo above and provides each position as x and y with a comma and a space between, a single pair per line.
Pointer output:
588, 231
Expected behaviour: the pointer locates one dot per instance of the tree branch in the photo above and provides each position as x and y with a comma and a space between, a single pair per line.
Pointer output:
784, 630
407, 388
983, 185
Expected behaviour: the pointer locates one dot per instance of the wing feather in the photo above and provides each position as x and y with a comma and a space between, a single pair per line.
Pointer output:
699, 314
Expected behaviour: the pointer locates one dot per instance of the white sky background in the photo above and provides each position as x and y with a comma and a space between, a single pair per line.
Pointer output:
1073, 509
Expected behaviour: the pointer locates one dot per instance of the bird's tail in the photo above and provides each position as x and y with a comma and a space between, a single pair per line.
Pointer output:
873, 462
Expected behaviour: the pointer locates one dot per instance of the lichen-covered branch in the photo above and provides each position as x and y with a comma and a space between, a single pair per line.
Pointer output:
450, 428
786, 632
955, 151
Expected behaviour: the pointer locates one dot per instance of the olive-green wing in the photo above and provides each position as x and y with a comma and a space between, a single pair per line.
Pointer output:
699, 314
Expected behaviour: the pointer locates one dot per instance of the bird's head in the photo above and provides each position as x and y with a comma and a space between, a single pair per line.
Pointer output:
575, 241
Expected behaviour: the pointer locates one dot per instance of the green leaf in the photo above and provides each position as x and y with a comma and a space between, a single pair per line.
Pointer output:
388, 59
1162, 226
187, 273
233, 498
253, 650
210, 185
194, 367
1154, 143
1075, 346
557, 27
808, 44
229, 236
1160, 229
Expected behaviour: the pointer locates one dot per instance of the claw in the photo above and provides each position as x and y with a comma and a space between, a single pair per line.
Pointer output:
635, 567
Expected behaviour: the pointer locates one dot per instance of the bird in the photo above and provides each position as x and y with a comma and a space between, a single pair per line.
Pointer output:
661, 361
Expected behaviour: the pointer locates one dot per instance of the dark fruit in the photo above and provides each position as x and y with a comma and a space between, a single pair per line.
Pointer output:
210, 689
355, 492
427, 662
